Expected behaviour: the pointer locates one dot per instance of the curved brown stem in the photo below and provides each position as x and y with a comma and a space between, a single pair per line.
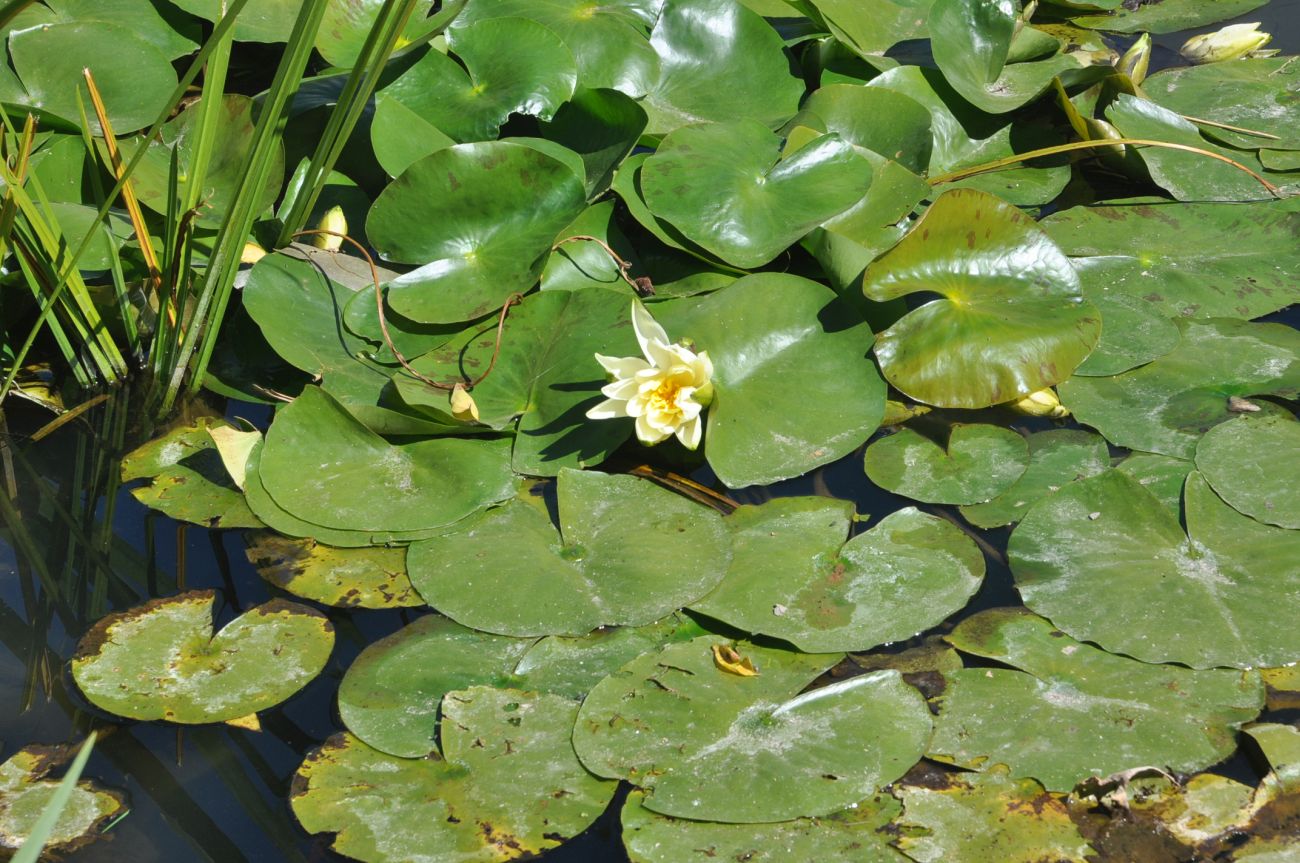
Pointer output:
641, 284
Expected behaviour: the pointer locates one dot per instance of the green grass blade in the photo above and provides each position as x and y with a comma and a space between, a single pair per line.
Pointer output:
31, 850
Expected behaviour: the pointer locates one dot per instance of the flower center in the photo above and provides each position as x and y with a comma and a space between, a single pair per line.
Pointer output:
664, 398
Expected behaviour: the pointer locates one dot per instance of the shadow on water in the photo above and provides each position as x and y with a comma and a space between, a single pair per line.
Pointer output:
219, 793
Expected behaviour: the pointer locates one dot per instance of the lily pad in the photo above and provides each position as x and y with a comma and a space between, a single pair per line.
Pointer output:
162, 660
790, 392
347, 23
1168, 16
1162, 475
1012, 320
173, 34
1251, 464
627, 552
601, 126
582, 263
507, 66
1166, 405
479, 219
187, 479
1221, 594
261, 20
725, 187
709, 744
1193, 260
1056, 457
607, 40
855, 835
391, 695
989, 817
25, 795
323, 466
793, 575
510, 786
373, 577
719, 61
874, 26
1065, 710
1258, 94
979, 463
135, 78
1134, 332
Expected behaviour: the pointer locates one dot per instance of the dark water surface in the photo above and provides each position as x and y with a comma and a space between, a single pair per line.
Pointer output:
218, 793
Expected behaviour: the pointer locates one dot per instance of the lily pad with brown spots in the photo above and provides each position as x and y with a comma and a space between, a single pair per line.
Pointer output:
365, 577
25, 794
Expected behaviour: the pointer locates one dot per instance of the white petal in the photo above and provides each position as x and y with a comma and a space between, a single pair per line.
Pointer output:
647, 328
623, 389
608, 410
703, 368
622, 367
689, 433
647, 434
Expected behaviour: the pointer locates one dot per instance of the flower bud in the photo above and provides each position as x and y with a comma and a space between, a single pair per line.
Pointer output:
252, 253
335, 222
463, 406
1136, 59
1233, 41
1043, 403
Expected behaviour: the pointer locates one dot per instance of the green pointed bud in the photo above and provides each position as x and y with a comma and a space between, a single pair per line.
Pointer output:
1229, 43
1136, 59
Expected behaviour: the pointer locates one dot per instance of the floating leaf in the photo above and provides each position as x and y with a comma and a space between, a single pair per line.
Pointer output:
480, 219
854, 835
1167, 16
725, 187
700, 740
161, 660
790, 392
188, 480
889, 124
875, 26
372, 577
602, 126
1012, 320
346, 24
1134, 333
793, 576
1056, 457
979, 463
988, 817
1250, 462
261, 20
1218, 595
582, 263
510, 786
1194, 260
25, 795
627, 552
1166, 405
325, 467
719, 62
1065, 710
172, 34
1257, 94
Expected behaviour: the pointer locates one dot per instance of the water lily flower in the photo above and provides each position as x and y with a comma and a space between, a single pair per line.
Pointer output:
1137, 59
1229, 43
1043, 403
666, 392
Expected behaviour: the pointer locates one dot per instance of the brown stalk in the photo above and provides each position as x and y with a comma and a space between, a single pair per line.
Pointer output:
688, 487
641, 284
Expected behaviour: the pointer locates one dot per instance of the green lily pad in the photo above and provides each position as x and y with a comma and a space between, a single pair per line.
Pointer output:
1251, 464
601, 126
1193, 260
1134, 332
1065, 710
874, 26
187, 478
1012, 320
965, 136
260, 21
1166, 405
323, 466
172, 34
855, 835
391, 695
1056, 457
1168, 16
507, 66
479, 219
584, 264
1162, 475
162, 660
1258, 94
627, 185
1281, 746
1186, 176
719, 61
725, 187
793, 575
607, 40
989, 817
545, 377
72, 221
25, 795
347, 23
225, 171
856, 112
510, 786
1220, 594
979, 463
700, 739
373, 577
400, 137
627, 552
971, 41
790, 392
135, 78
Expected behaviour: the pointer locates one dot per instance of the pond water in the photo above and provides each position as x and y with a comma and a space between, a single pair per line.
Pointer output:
219, 793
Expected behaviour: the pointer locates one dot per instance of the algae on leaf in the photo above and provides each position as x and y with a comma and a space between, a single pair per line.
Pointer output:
25, 795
